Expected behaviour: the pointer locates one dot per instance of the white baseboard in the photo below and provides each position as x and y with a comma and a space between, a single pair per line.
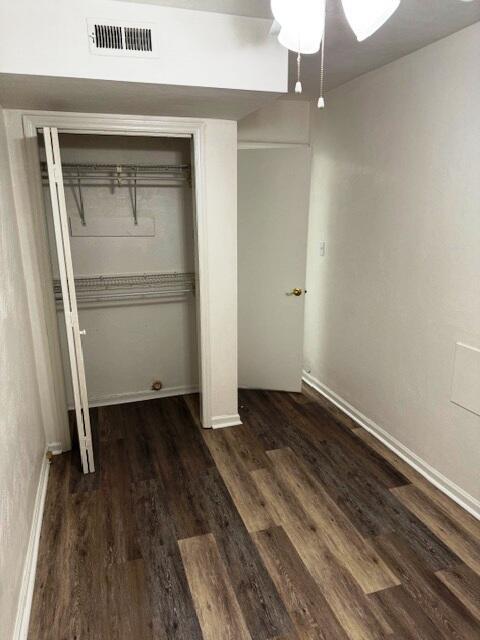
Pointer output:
138, 396
220, 422
30, 564
452, 490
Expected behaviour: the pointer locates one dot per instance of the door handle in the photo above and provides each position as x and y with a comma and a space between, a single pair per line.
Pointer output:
295, 292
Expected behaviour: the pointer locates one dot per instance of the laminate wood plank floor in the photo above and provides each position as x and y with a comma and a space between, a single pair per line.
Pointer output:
297, 525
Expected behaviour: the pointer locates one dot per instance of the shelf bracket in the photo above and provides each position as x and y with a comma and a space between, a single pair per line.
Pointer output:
134, 198
81, 206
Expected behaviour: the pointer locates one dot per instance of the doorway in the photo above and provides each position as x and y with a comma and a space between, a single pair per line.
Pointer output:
118, 261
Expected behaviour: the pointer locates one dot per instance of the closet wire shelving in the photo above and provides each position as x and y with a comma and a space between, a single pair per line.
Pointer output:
121, 289
129, 288
120, 175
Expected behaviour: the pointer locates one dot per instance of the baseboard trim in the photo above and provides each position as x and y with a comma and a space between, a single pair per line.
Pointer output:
220, 422
452, 490
30, 564
139, 396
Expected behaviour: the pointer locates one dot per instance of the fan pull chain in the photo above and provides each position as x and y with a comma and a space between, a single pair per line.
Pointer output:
321, 99
298, 84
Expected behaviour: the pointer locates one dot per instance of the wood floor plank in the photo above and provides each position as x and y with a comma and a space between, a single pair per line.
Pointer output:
217, 608
339, 535
315, 421
172, 610
128, 614
372, 508
299, 591
465, 585
340, 416
81, 607
172, 466
455, 511
342, 593
452, 534
406, 616
117, 507
262, 607
236, 475
451, 618
247, 446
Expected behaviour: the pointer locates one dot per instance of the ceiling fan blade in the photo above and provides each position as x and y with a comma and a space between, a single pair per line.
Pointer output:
367, 16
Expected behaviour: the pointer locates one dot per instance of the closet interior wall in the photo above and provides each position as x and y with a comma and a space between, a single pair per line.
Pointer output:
131, 341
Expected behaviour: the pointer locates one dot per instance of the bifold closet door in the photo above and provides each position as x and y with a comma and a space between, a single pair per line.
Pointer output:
273, 196
62, 239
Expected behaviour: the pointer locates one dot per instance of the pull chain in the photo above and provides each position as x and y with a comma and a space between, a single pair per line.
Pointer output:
298, 85
321, 99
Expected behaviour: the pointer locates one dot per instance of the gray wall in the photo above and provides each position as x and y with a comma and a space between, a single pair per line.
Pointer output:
396, 195
22, 438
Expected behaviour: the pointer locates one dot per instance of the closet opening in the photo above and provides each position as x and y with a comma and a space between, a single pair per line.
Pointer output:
120, 219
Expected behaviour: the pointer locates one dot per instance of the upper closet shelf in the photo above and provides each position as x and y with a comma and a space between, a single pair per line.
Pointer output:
121, 175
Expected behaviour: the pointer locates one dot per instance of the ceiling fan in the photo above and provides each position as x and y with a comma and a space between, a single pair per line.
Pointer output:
302, 26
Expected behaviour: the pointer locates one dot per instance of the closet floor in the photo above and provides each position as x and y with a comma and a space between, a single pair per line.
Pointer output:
296, 525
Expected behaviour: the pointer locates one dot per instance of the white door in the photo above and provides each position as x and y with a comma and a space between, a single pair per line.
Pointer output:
273, 197
62, 239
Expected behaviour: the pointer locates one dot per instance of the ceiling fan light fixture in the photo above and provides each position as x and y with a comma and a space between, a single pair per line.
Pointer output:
368, 16
306, 41
302, 24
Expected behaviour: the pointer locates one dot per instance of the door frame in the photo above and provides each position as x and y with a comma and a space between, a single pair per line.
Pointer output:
111, 124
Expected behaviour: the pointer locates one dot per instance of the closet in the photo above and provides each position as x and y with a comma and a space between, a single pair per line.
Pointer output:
129, 208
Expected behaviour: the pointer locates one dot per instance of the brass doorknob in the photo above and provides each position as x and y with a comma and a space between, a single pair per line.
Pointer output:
295, 292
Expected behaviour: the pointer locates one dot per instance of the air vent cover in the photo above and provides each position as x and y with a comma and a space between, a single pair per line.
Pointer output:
118, 39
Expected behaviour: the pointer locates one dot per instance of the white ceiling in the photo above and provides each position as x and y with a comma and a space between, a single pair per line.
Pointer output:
50, 93
414, 25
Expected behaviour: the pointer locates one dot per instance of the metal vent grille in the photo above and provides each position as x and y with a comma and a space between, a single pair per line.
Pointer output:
121, 39
108, 37
138, 39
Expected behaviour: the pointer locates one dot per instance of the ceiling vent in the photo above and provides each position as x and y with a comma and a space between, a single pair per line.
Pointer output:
121, 39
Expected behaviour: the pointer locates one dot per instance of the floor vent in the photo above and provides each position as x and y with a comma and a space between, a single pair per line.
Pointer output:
121, 39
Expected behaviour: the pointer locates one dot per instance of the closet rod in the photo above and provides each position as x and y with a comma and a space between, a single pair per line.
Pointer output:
120, 175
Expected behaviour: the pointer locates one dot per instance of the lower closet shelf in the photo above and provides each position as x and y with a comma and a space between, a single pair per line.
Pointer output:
133, 288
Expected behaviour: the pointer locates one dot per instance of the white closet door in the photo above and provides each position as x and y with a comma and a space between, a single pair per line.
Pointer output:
62, 239
273, 195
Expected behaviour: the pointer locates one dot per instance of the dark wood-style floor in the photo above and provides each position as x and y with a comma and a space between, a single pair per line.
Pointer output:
295, 526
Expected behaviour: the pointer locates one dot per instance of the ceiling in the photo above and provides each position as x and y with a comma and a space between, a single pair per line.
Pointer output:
414, 25
49, 93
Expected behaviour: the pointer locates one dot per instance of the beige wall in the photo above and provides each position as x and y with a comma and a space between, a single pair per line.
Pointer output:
281, 121
22, 438
396, 195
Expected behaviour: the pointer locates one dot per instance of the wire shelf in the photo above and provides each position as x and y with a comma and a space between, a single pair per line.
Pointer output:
118, 288
120, 175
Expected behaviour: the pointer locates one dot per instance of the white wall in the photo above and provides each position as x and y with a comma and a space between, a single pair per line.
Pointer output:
282, 121
195, 48
22, 438
395, 193
129, 346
